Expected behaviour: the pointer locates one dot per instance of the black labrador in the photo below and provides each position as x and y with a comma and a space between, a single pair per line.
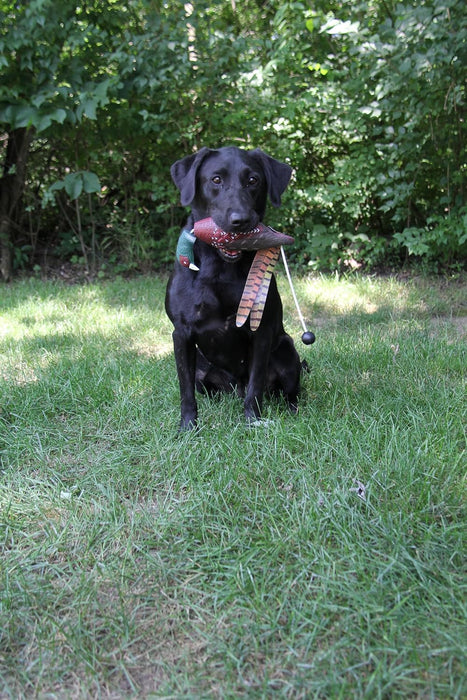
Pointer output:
231, 186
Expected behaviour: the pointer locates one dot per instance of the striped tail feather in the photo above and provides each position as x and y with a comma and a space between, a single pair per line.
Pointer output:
256, 287
258, 305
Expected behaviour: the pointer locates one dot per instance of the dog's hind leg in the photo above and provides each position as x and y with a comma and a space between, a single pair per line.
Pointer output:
213, 380
285, 369
259, 362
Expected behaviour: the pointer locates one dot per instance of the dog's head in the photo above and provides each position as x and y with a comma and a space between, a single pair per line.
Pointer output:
230, 185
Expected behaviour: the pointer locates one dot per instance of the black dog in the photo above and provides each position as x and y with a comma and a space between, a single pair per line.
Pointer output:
231, 186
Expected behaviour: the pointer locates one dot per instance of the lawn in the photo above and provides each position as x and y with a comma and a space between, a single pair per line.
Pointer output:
315, 556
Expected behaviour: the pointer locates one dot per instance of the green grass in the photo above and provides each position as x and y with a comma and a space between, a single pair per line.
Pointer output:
316, 556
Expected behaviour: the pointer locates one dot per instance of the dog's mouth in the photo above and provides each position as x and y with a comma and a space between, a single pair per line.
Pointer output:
229, 256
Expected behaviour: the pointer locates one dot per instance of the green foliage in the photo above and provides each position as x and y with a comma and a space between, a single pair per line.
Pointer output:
365, 100
443, 239
388, 120
76, 183
50, 72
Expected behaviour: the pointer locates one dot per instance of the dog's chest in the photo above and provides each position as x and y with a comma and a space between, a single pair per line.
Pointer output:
214, 303
217, 335
218, 293
213, 308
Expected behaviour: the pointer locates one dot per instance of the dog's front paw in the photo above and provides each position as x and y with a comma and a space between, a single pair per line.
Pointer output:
252, 416
188, 423
259, 423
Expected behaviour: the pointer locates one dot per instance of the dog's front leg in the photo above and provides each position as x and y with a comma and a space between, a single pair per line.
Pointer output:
259, 363
185, 358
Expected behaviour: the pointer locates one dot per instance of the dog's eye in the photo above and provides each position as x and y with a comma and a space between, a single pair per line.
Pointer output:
252, 180
216, 179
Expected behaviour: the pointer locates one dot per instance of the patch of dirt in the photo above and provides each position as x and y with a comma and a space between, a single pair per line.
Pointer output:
458, 322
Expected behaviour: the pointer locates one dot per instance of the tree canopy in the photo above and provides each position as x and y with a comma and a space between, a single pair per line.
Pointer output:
366, 101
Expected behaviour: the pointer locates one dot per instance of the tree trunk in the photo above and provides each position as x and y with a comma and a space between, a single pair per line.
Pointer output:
11, 188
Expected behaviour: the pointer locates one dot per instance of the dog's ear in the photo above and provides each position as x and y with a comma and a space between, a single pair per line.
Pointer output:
277, 175
184, 175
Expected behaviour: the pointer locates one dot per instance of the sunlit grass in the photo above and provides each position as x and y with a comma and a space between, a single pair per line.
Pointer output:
319, 555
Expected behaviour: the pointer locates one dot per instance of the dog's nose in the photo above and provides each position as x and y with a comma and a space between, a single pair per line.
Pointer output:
238, 221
